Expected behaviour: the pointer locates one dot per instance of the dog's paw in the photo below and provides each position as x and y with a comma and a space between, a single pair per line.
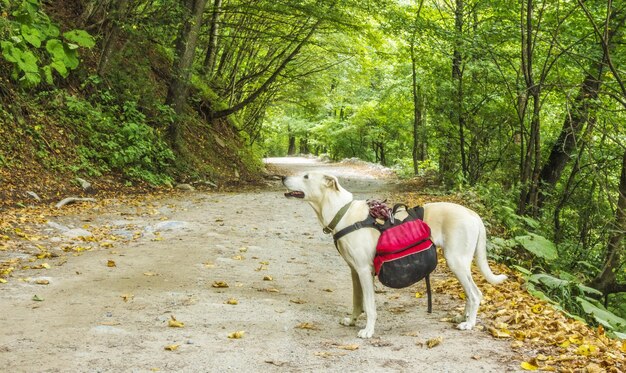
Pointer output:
366, 333
347, 321
466, 325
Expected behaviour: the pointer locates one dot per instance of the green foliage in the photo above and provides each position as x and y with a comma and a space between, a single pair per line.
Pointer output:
538, 245
580, 301
34, 46
119, 140
404, 167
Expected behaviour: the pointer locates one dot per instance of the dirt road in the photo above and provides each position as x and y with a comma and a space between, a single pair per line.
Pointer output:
109, 309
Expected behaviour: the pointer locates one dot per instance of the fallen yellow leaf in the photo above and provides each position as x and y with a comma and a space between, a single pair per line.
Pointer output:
418, 294
575, 340
268, 278
111, 263
127, 297
498, 333
150, 274
236, 335
3, 281
42, 282
528, 366
307, 325
172, 347
586, 350
434, 342
220, 284
232, 301
173, 323
537, 308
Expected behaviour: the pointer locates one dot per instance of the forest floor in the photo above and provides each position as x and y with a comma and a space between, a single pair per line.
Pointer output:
216, 281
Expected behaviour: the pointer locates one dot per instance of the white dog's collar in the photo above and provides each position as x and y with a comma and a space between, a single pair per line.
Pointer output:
342, 211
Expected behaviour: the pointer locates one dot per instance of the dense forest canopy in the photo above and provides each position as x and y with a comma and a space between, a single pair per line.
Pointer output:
521, 103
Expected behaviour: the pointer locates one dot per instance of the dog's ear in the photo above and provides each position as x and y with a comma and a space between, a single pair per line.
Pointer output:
331, 182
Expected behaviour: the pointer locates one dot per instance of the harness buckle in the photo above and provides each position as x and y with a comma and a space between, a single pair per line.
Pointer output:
327, 230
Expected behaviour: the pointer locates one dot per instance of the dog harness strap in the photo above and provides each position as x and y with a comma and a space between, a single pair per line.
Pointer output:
370, 222
329, 229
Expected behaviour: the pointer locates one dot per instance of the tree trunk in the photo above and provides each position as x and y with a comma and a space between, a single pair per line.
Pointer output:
209, 59
418, 141
304, 145
572, 125
606, 280
118, 17
530, 167
457, 77
576, 119
418, 101
291, 150
185, 52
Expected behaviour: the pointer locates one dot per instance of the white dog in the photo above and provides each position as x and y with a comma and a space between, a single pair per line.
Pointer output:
456, 229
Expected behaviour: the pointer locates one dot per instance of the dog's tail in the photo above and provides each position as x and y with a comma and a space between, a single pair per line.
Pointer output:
481, 257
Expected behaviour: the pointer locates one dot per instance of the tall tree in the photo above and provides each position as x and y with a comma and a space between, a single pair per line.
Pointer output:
458, 114
535, 67
418, 150
209, 59
185, 52
607, 279
115, 21
579, 115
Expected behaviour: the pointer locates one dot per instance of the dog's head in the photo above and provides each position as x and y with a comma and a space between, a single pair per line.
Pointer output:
312, 186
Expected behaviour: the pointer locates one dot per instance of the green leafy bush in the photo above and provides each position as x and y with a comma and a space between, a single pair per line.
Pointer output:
34, 45
538, 245
119, 140
567, 293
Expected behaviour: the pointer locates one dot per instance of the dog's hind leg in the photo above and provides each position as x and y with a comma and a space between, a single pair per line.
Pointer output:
461, 267
473, 296
367, 286
357, 300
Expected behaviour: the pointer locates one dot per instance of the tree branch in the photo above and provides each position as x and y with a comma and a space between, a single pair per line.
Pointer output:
254, 95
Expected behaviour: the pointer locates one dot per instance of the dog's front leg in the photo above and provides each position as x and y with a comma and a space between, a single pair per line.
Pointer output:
366, 279
357, 300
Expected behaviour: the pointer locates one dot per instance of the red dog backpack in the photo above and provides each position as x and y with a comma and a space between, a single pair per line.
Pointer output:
405, 254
